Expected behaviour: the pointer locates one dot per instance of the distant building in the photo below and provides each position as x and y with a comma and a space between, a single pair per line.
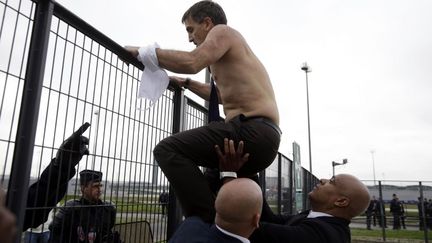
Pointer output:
408, 194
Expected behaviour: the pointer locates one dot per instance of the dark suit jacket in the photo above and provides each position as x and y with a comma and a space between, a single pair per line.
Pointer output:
299, 229
194, 230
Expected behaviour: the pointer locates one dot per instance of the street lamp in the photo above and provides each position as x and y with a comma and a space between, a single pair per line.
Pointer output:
307, 70
96, 113
344, 161
373, 165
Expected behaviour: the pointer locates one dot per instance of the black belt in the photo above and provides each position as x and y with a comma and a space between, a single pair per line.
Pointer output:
262, 119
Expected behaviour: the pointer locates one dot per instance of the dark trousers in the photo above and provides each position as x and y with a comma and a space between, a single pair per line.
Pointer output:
396, 221
421, 222
180, 155
382, 219
369, 216
402, 220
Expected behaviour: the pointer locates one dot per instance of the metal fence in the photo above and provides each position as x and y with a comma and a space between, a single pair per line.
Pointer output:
57, 72
405, 213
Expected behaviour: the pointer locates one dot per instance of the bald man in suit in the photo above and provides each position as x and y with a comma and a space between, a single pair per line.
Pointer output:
334, 202
238, 209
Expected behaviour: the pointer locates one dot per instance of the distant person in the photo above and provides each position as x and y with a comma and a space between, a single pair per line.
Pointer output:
402, 214
421, 212
370, 213
395, 210
429, 214
381, 213
88, 219
49, 189
163, 202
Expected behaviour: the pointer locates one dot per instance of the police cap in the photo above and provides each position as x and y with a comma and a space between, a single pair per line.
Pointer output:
87, 176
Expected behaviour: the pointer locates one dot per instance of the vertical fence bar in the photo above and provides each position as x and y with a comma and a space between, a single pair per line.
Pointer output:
382, 210
425, 226
262, 181
27, 123
174, 211
291, 185
279, 184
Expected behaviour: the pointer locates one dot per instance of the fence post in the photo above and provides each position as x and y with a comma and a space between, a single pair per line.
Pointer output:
279, 184
262, 181
382, 210
174, 210
425, 226
29, 112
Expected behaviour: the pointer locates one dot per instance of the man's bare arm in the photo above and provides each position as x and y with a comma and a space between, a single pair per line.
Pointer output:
216, 44
198, 88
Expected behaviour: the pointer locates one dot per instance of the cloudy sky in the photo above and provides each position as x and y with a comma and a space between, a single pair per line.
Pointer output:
371, 82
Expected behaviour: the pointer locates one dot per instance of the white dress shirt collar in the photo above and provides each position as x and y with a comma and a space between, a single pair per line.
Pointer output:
313, 214
242, 239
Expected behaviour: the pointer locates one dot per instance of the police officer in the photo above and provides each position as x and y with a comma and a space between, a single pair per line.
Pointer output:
88, 219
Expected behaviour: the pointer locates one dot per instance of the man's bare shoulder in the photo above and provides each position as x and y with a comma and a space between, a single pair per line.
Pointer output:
222, 29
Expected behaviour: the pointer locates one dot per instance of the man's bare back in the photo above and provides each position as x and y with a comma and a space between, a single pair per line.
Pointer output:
242, 80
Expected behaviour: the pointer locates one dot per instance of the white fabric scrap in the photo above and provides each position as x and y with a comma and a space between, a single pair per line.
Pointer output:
154, 80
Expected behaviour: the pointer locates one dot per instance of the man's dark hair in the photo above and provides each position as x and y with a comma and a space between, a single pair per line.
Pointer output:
203, 9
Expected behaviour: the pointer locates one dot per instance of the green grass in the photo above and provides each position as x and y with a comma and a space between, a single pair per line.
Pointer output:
396, 234
146, 204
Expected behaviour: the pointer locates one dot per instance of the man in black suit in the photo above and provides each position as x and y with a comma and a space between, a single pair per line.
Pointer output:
370, 213
238, 209
395, 210
334, 203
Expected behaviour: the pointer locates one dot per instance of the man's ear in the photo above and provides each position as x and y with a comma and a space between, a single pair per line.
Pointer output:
208, 23
342, 202
256, 220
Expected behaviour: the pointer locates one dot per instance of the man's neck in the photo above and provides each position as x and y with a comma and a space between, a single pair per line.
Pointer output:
90, 200
235, 229
335, 212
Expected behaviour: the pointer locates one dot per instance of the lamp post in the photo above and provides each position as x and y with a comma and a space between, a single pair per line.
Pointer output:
307, 70
334, 164
96, 113
373, 165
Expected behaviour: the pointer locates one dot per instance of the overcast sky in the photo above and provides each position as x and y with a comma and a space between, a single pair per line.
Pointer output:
371, 82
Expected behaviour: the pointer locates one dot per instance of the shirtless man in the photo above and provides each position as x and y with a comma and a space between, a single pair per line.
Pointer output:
244, 90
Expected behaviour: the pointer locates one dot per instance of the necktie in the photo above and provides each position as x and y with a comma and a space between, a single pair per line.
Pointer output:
212, 174
213, 111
